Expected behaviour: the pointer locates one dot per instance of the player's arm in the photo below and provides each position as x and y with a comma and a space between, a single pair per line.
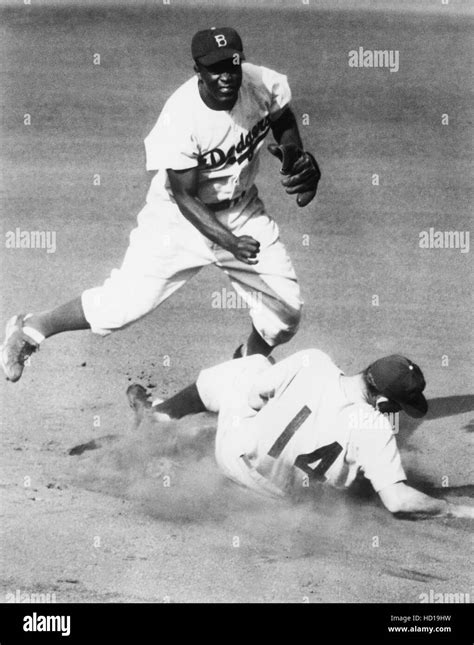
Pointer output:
184, 184
378, 454
402, 499
300, 168
285, 128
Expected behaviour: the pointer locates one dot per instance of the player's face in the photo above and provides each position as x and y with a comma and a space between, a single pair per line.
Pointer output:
220, 83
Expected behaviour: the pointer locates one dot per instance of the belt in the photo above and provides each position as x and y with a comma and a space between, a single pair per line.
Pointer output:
226, 203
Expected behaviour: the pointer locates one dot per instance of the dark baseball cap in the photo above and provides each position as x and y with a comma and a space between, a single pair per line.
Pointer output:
213, 45
400, 380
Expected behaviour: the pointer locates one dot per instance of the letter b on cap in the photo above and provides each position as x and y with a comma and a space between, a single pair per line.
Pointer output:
220, 40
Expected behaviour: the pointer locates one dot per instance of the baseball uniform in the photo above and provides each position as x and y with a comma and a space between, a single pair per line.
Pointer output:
281, 426
166, 249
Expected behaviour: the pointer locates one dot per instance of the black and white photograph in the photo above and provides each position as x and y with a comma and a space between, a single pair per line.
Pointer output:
235, 316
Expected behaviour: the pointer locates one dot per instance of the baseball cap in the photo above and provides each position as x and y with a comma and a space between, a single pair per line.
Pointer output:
213, 45
400, 380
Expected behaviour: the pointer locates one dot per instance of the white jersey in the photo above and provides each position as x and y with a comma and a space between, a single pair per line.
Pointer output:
223, 144
297, 425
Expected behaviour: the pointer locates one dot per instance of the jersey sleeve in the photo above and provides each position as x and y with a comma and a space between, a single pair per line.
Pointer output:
171, 143
277, 84
378, 454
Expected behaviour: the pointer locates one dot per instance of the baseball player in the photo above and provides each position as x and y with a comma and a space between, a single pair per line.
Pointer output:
202, 207
281, 427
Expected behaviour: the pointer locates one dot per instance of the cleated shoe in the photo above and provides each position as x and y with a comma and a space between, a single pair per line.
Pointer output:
16, 349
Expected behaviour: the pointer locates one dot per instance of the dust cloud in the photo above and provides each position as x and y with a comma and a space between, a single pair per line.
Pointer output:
169, 470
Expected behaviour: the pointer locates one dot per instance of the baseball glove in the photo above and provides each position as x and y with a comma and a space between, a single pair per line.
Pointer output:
301, 171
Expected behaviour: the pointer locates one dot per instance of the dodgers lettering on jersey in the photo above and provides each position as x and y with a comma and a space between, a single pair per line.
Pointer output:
243, 151
223, 145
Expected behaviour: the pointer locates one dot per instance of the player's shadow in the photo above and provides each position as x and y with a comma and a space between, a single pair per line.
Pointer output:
445, 406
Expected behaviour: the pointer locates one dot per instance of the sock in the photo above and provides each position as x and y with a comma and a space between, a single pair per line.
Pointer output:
32, 333
66, 317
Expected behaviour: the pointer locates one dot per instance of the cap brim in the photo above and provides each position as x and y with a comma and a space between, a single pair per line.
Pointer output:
416, 407
220, 54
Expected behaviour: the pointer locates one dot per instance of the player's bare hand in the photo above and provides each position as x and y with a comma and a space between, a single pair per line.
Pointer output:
245, 249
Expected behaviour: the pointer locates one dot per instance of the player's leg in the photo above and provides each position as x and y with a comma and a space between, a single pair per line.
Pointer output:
255, 344
186, 401
225, 389
24, 334
66, 317
207, 393
238, 428
214, 387
164, 252
271, 293
269, 288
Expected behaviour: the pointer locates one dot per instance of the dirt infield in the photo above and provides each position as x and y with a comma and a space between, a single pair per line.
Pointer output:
99, 527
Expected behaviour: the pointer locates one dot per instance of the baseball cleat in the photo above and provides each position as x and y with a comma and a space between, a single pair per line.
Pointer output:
138, 400
138, 397
16, 349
